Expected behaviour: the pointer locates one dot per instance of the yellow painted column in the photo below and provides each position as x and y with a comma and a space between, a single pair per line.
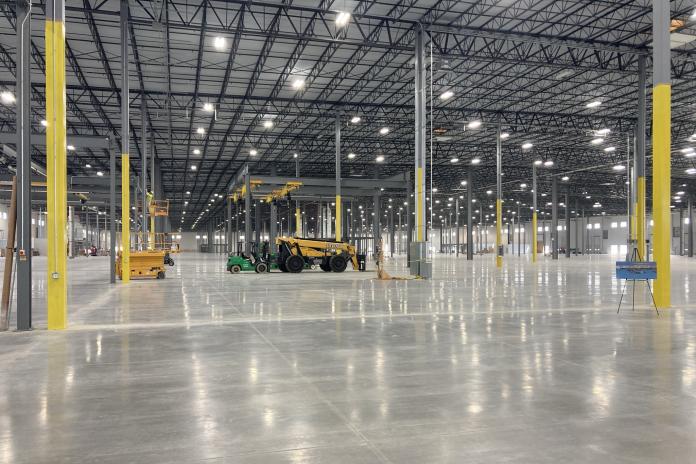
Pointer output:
339, 212
125, 141
151, 233
298, 222
56, 168
420, 205
662, 175
498, 232
662, 131
534, 237
125, 217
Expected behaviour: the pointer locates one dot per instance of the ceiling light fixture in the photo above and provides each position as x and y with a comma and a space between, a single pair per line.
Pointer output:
88, 166
253, 152
379, 159
7, 97
504, 135
384, 131
454, 160
298, 83
610, 149
342, 18
99, 173
597, 141
200, 131
355, 119
44, 123
603, 132
219, 43
474, 124
548, 163
71, 147
594, 104
351, 155
527, 145
193, 167
446, 95
207, 106
619, 167
196, 151
268, 124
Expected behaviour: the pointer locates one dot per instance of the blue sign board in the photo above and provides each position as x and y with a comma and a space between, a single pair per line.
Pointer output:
636, 270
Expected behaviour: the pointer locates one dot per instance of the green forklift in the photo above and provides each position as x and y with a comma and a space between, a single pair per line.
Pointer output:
257, 262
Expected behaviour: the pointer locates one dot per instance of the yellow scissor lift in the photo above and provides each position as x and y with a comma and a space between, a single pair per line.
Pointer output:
149, 263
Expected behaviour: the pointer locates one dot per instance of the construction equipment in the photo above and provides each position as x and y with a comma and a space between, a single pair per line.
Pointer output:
148, 264
294, 254
237, 264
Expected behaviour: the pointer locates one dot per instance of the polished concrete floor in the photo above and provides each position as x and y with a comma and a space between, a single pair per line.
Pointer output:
530, 364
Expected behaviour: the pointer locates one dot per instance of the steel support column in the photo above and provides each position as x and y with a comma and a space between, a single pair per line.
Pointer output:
56, 167
409, 220
554, 217
112, 214
23, 258
376, 220
125, 158
273, 229
469, 217
228, 226
420, 137
690, 228
534, 213
143, 171
247, 213
567, 221
498, 200
661, 130
456, 223
339, 206
640, 159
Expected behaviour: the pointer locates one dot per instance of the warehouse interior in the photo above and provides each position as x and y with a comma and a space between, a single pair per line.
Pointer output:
356, 231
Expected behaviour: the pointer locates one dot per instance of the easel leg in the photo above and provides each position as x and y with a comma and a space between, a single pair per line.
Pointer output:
653, 297
623, 290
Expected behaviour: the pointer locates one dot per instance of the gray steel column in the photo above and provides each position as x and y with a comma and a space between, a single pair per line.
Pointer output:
567, 220
499, 198
391, 231
376, 221
23, 165
247, 213
690, 229
112, 213
456, 221
257, 221
520, 225
297, 203
228, 226
409, 219
143, 170
681, 231
420, 108
236, 227
339, 202
639, 157
469, 214
318, 230
273, 232
554, 217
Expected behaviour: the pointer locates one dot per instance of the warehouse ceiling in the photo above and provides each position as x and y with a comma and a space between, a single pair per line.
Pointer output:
228, 83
